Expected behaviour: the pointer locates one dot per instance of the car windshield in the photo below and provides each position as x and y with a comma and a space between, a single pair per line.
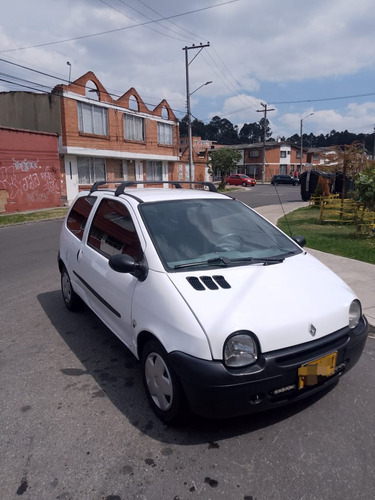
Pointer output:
213, 233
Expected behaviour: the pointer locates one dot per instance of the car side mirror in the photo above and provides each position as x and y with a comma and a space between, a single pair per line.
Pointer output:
123, 263
300, 240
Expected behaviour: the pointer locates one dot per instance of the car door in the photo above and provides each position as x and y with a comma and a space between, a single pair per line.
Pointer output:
112, 231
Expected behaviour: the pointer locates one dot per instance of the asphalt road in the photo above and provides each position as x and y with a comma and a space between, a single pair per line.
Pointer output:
262, 195
75, 424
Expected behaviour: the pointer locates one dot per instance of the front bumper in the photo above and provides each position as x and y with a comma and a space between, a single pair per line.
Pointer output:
213, 390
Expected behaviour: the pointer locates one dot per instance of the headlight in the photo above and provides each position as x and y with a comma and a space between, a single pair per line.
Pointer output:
240, 350
355, 313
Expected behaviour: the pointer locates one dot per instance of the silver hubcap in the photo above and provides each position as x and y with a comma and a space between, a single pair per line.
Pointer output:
66, 287
159, 382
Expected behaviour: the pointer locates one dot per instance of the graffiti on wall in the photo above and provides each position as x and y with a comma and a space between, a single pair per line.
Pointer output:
30, 182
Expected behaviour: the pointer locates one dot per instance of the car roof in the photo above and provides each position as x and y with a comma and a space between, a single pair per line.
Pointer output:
148, 194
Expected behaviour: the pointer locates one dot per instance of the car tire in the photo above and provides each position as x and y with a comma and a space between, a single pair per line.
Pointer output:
71, 300
163, 387
244, 184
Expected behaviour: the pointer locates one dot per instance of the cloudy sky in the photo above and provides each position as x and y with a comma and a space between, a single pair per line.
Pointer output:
296, 56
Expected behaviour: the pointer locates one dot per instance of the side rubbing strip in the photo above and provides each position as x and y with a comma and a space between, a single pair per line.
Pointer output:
99, 297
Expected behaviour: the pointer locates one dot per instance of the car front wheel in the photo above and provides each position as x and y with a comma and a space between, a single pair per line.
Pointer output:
163, 388
71, 299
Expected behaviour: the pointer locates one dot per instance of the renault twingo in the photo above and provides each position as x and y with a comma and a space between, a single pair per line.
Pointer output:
196, 284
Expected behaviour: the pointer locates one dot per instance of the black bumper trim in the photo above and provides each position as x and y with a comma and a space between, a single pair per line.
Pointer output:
213, 390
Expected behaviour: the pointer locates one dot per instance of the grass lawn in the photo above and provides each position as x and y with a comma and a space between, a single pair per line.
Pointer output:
336, 238
17, 218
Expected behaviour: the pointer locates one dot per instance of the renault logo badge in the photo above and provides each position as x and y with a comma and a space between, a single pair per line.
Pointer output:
312, 330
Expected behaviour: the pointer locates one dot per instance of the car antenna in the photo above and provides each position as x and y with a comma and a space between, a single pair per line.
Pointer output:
285, 217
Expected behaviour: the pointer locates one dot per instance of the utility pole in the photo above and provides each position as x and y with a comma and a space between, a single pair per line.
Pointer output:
373, 151
188, 94
264, 137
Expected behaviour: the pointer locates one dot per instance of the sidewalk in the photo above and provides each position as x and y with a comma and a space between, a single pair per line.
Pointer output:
360, 276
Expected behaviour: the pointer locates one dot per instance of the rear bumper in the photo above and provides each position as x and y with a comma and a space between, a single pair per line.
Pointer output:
213, 390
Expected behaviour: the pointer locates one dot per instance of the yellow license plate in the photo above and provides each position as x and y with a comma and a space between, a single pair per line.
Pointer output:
310, 373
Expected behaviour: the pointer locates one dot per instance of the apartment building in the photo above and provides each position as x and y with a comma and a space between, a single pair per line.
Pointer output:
281, 157
103, 138
100, 137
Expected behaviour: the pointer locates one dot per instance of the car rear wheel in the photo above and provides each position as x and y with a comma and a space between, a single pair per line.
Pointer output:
71, 299
163, 388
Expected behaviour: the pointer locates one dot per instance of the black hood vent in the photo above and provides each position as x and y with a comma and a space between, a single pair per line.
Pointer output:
208, 282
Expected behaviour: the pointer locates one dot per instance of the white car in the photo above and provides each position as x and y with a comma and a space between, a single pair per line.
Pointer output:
225, 312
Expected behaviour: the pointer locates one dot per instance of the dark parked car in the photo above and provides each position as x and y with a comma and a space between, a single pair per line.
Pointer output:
240, 180
284, 179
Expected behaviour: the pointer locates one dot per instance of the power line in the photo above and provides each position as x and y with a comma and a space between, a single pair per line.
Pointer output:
57, 78
149, 18
120, 29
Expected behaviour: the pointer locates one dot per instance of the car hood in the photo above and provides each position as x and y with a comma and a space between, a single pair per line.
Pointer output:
280, 303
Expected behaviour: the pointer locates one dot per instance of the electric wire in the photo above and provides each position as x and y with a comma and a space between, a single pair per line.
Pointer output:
115, 30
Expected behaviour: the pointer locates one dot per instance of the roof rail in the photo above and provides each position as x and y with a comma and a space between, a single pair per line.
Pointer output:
124, 184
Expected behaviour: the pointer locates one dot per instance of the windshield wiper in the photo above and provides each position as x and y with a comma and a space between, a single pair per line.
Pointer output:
260, 260
215, 261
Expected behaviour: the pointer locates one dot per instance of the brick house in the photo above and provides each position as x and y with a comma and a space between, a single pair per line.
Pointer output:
280, 158
100, 138
201, 149
29, 170
114, 140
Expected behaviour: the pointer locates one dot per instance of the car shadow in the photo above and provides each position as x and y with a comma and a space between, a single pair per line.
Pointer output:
117, 375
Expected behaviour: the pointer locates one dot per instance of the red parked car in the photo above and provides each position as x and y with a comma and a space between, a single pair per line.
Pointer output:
240, 179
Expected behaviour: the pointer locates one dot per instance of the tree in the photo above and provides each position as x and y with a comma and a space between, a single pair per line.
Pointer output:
222, 131
223, 162
251, 133
365, 187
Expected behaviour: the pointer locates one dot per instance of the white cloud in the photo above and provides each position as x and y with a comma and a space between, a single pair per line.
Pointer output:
286, 50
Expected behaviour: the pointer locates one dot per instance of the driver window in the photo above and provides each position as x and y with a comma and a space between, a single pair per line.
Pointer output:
112, 231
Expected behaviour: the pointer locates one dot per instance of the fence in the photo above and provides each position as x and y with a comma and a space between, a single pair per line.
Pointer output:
334, 209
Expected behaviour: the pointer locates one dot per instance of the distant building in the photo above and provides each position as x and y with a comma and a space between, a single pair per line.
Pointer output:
281, 157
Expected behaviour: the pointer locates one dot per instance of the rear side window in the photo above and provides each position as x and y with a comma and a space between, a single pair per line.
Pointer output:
79, 214
112, 231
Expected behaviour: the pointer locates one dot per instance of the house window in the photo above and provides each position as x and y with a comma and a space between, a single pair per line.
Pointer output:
165, 133
154, 171
254, 153
92, 119
90, 170
298, 154
134, 128
283, 169
282, 154
315, 157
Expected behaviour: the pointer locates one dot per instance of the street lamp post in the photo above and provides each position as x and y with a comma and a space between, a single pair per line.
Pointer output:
301, 149
70, 70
